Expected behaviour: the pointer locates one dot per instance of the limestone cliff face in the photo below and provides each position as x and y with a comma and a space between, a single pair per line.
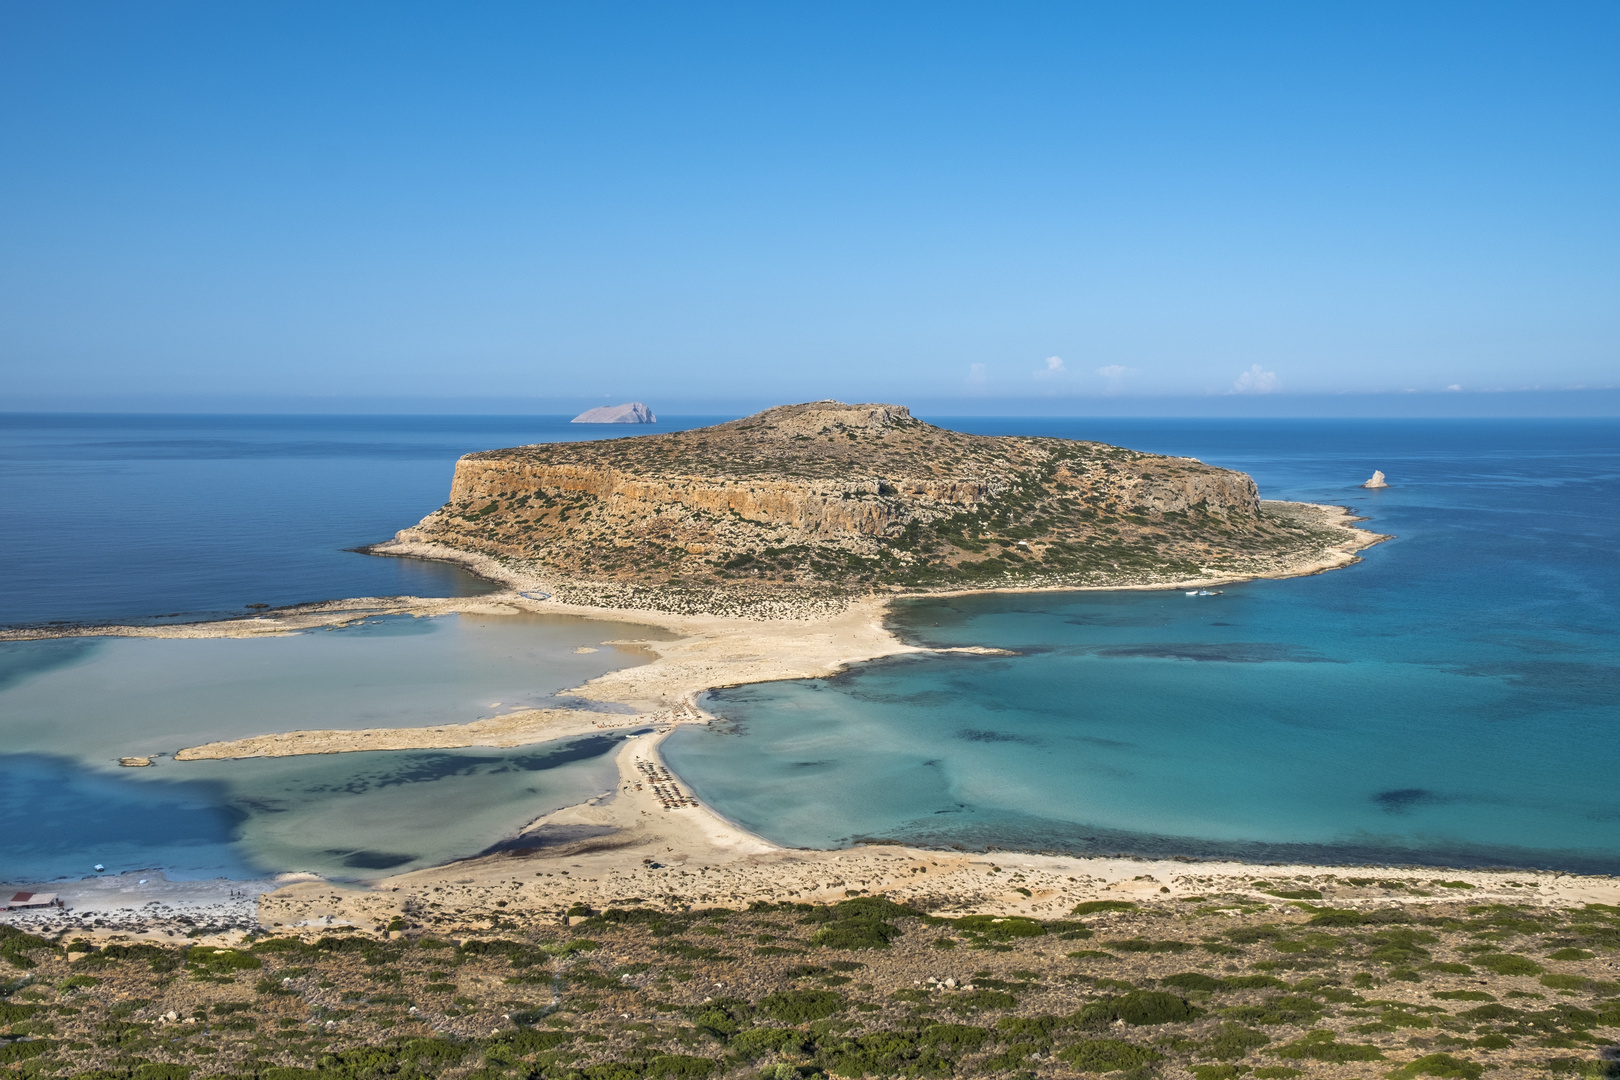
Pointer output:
834, 493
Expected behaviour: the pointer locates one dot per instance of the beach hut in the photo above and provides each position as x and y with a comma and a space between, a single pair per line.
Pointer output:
30, 900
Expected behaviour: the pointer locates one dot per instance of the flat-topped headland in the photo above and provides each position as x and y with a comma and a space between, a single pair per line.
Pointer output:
803, 505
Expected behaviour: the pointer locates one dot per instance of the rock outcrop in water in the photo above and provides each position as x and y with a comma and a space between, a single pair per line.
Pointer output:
1376, 481
831, 495
632, 412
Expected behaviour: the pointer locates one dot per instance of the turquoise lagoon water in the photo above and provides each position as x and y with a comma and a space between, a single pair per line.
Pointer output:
1452, 700
69, 708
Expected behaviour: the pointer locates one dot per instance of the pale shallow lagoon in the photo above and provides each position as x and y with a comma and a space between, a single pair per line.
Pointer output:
1453, 700
69, 708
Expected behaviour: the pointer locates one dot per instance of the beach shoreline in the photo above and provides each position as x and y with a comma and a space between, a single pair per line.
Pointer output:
629, 835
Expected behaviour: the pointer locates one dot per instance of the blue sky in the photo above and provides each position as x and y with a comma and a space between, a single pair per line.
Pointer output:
984, 207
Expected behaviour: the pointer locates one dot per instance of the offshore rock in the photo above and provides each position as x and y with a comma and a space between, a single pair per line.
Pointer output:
1377, 481
632, 412
832, 495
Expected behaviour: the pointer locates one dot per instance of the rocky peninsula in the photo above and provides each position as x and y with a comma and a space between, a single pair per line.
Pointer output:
819, 503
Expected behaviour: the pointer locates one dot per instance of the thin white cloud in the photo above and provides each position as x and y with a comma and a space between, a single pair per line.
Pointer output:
1054, 366
1256, 380
1113, 372
1454, 388
977, 376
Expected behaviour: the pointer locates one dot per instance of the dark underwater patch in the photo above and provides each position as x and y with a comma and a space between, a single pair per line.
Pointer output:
548, 836
1237, 652
979, 735
1561, 684
22, 660
999, 830
1405, 800
404, 767
373, 860
927, 699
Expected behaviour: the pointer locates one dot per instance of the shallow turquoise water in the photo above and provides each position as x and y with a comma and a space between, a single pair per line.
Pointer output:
69, 708
1452, 700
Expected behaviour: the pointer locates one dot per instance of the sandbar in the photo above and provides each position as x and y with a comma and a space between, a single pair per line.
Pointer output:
650, 840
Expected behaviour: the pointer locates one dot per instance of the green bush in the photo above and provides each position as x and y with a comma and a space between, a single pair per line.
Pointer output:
859, 923
159, 959
1092, 907
953, 1038
163, 1072
856, 934
756, 1042
221, 961
19, 1051
1437, 1065
883, 1053
1232, 1041
1508, 964
1108, 1055
15, 945
1400, 947
1570, 954
680, 1066
992, 928
801, 1006
1492, 1011
1146, 945
1038, 1028
526, 1041
1321, 1045
1283, 1009
1138, 1008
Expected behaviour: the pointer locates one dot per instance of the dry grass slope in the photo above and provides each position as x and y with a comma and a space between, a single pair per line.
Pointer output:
1213, 987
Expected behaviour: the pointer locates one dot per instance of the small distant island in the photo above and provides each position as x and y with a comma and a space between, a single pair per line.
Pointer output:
829, 499
631, 412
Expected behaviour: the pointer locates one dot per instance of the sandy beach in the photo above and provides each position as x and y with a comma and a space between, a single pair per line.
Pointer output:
650, 838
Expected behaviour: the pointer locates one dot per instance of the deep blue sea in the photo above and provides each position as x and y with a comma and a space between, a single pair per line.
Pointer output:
1454, 699
125, 518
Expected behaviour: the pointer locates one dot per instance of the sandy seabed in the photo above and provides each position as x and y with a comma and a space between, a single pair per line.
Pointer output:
650, 840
